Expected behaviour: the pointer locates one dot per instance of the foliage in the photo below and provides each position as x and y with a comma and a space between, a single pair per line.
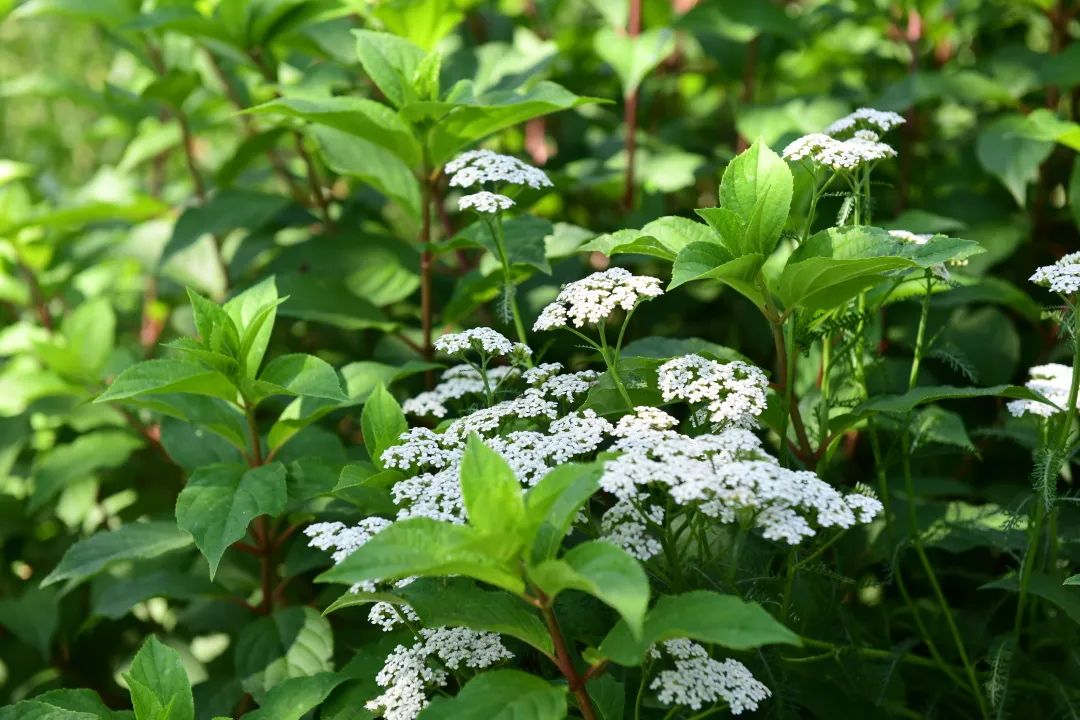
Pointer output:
570, 358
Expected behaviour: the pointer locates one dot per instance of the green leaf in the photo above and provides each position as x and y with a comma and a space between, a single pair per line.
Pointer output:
85, 341
372, 163
633, 56
64, 704
32, 617
114, 596
663, 238
168, 376
367, 119
253, 313
552, 505
295, 642
160, 689
382, 423
304, 375
362, 378
820, 283
1074, 191
391, 63
422, 22
603, 570
136, 541
457, 602
38, 710
936, 425
708, 617
525, 241
851, 242
296, 696
1009, 153
1048, 588
638, 377
64, 465
494, 111
711, 261
225, 211
491, 493
424, 547
502, 695
221, 500
757, 186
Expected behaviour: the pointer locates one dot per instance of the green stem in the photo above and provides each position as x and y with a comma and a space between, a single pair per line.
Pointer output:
611, 360
508, 277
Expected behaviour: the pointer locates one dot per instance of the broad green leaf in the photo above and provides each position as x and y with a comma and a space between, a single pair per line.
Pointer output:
362, 485
552, 505
603, 570
633, 56
85, 341
38, 710
137, 210
391, 63
495, 111
1009, 153
328, 300
114, 596
422, 22
491, 493
217, 331
64, 704
525, 241
1074, 191
168, 376
711, 261
663, 238
295, 642
159, 685
294, 697
32, 617
852, 242
221, 500
303, 375
372, 163
382, 423
363, 377
638, 376
936, 425
253, 312
1048, 588
64, 465
820, 283
424, 547
502, 695
135, 541
708, 617
370, 120
757, 186
225, 211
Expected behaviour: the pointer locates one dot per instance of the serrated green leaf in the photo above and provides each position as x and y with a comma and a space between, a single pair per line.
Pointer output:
390, 62
552, 505
168, 376
295, 642
502, 695
136, 541
491, 493
160, 689
382, 423
220, 501
303, 375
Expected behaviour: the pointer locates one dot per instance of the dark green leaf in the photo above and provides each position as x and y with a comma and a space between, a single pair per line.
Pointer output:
136, 541
502, 695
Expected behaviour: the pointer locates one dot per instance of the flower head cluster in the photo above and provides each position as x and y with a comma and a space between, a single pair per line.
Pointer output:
483, 340
862, 147
1061, 277
485, 202
698, 680
457, 382
591, 300
1052, 381
343, 539
409, 672
910, 237
733, 392
632, 527
867, 119
477, 167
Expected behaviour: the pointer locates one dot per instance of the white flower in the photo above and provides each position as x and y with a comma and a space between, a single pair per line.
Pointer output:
866, 118
698, 680
484, 166
480, 339
1052, 382
808, 146
343, 538
419, 448
591, 300
626, 526
457, 382
569, 386
838, 154
408, 672
537, 375
485, 202
910, 237
1061, 277
733, 392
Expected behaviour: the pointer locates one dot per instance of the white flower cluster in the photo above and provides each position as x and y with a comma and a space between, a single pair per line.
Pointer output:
864, 145
485, 202
866, 119
591, 300
733, 392
483, 340
484, 166
457, 382
343, 538
698, 680
627, 526
727, 476
910, 237
1061, 277
1052, 381
409, 672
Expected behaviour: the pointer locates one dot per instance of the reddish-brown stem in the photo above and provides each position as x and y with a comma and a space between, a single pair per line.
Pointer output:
749, 75
565, 663
633, 29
